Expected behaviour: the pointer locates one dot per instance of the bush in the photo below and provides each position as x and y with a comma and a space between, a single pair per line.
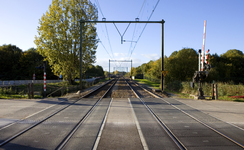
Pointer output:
224, 89
175, 86
7, 90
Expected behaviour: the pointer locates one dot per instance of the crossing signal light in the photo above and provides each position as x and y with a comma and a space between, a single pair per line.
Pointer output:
200, 76
207, 67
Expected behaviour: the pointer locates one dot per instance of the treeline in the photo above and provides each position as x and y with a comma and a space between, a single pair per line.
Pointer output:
20, 65
94, 71
181, 65
16, 64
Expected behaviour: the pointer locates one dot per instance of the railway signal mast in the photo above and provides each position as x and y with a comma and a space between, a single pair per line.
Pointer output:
203, 67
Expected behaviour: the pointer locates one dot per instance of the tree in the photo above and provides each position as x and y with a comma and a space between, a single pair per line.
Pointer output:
58, 39
227, 67
232, 53
31, 59
116, 72
9, 60
93, 71
156, 69
105, 73
28, 61
181, 65
99, 70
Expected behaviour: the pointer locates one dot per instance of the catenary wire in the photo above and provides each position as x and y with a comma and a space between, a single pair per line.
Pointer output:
99, 7
144, 28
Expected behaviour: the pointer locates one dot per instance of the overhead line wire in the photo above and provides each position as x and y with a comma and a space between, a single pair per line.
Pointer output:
141, 8
135, 27
99, 7
144, 27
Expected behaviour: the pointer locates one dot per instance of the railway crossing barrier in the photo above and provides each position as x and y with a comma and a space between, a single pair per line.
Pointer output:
215, 91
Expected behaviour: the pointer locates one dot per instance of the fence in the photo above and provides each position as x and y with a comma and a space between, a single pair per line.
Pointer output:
24, 88
25, 82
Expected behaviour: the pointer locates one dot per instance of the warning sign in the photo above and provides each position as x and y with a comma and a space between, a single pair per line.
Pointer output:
164, 73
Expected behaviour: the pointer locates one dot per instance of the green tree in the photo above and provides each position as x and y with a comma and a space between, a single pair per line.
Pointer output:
232, 53
94, 71
31, 59
181, 65
156, 69
58, 39
227, 67
116, 72
105, 73
9, 61
99, 70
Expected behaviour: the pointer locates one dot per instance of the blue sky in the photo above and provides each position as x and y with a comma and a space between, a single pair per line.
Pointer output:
184, 20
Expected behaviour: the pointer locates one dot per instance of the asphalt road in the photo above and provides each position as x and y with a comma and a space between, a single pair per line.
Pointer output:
127, 124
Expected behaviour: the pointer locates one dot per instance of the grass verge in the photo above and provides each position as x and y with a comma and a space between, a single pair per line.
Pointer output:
149, 83
180, 94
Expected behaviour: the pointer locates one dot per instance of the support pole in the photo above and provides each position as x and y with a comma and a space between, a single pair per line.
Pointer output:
162, 55
212, 86
216, 91
199, 60
32, 90
44, 92
109, 70
28, 88
131, 70
81, 24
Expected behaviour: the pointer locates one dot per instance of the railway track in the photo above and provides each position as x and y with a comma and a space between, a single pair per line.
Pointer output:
147, 120
233, 140
19, 128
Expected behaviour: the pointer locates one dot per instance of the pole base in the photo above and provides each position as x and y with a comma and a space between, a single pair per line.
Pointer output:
200, 97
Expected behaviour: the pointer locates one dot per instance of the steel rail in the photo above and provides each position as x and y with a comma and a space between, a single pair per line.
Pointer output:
163, 125
99, 135
8, 125
202, 122
56, 112
72, 132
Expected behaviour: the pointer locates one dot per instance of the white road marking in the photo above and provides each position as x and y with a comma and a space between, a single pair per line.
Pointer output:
143, 141
101, 129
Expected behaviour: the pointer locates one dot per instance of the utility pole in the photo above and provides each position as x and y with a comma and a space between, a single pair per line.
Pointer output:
109, 70
131, 70
162, 55
81, 24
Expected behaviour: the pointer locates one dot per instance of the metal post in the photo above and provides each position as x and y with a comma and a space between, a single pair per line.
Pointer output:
199, 60
131, 70
81, 24
28, 89
44, 91
212, 85
32, 90
216, 92
162, 55
109, 70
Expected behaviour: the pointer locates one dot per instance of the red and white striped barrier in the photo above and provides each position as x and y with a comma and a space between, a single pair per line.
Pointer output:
44, 81
207, 57
203, 47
